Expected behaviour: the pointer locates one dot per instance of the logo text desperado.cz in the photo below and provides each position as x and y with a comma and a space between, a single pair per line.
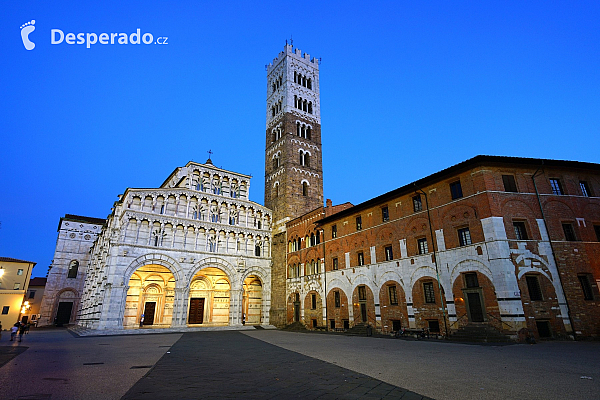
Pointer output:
57, 37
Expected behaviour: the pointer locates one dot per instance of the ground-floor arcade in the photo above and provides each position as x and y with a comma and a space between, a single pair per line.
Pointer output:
158, 293
390, 297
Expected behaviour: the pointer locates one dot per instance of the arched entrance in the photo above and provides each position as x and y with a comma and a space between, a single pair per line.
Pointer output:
151, 293
252, 300
210, 294
65, 307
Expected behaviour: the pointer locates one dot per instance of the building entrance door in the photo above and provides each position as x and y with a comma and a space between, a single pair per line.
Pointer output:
149, 308
63, 314
196, 310
475, 307
363, 312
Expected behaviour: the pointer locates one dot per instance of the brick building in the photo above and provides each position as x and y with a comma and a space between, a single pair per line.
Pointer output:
502, 241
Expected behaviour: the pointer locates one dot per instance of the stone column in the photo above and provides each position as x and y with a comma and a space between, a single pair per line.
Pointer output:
235, 307
180, 307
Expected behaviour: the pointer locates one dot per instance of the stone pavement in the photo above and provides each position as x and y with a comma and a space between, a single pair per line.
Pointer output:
234, 365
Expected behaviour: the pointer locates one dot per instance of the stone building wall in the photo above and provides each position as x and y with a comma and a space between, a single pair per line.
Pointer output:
76, 235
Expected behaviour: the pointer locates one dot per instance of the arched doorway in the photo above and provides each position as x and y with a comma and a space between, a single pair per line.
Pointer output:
252, 300
151, 293
65, 307
210, 294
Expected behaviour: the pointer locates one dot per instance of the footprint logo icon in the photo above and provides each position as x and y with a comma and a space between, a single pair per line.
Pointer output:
26, 29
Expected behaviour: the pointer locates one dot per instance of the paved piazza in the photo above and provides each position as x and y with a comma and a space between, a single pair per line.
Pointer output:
277, 364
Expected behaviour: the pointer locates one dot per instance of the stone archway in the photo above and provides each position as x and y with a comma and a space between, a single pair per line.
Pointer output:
151, 294
209, 298
67, 302
252, 300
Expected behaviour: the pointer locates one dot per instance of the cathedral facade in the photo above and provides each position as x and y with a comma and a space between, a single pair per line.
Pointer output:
193, 252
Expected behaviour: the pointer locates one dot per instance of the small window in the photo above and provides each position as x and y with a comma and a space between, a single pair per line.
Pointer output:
389, 255
304, 189
509, 183
257, 250
433, 325
417, 205
533, 286
336, 266
569, 232
471, 280
385, 214
19, 272
334, 231
361, 258
74, 266
585, 189
422, 245
5, 310
313, 301
556, 186
362, 293
17, 286
429, 294
456, 190
464, 236
32, 294
336, 299
393, 295
586, 285
597, 230
520, 231
358, 223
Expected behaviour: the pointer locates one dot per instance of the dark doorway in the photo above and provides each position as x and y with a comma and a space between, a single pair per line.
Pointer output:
543, 328
296, 307
363, 312
149, 308
63, 314
475, 308
396, 325
24, 319
346, 324
196, 311
332, 324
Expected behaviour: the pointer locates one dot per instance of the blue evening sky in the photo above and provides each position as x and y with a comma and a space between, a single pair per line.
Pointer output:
407, 89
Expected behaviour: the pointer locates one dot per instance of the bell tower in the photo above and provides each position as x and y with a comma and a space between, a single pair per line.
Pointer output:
293, 162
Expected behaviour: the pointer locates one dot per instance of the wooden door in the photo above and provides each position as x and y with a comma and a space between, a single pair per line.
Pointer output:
196, 315
363, 312
63, 314
149, 308
475, 308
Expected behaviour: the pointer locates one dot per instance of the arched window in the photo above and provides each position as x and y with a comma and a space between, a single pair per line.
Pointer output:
276, 189
295, 101
308, 132
309, 83
305, 105
295, 77
73, 267
312, 239
304, 189
310, 107
306, 160
257, 250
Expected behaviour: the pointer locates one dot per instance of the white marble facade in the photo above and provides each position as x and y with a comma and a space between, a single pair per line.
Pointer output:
196, 250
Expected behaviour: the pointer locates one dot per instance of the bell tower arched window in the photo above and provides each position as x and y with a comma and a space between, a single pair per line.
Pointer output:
73, 267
